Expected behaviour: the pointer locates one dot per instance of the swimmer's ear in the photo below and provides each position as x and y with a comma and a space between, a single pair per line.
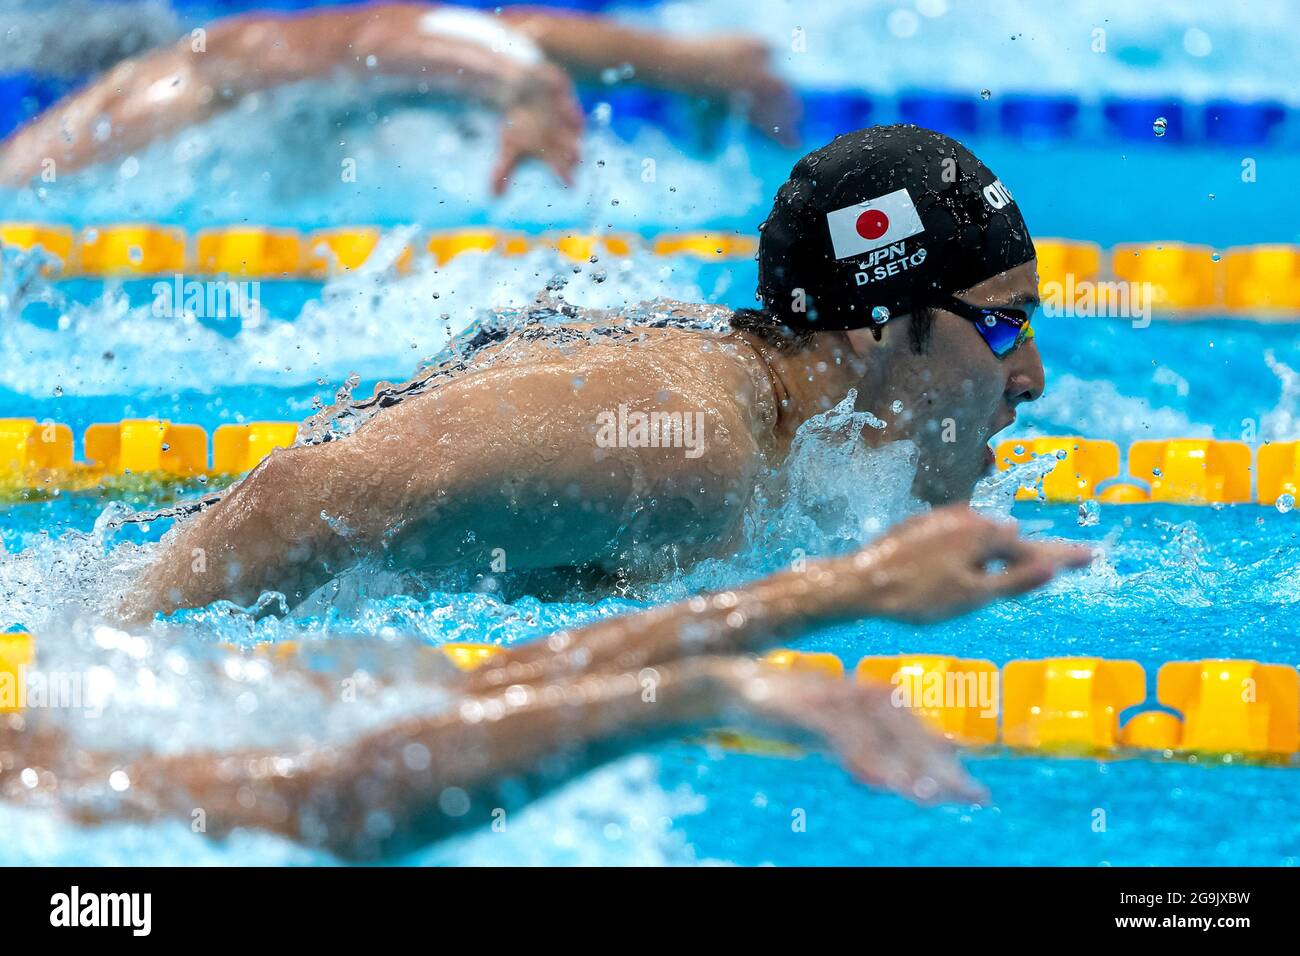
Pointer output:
863, 340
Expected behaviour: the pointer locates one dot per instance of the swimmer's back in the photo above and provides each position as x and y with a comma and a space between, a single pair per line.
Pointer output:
590, 440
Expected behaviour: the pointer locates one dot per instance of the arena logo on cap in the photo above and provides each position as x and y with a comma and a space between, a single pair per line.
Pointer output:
874, 223
997, 195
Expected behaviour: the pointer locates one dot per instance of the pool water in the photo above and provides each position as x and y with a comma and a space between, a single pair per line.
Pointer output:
1171, 583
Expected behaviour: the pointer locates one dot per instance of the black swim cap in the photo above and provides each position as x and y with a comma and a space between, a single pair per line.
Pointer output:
890, 217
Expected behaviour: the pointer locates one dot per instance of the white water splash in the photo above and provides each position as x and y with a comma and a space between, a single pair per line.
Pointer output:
370, 321
429, 165
1282, 422
1096, 408
1147, 48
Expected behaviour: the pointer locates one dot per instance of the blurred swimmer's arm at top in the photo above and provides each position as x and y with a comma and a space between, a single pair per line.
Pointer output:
717, 65
165, 90
551, 709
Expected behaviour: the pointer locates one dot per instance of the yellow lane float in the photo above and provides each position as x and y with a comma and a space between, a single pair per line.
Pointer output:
333, 251
1262, 279
1188, 471
581, 248
1063, 264
958, 698
1152, 730
17, 651
240, 448
1234, 706
1068, 702
1277, 471
1179, 276
467, 657
33, 453
136, 249
55, 241
445, 246
147, 445
1123, 493
1082, 465
250, 252
1193, 470
706, 245
827, 664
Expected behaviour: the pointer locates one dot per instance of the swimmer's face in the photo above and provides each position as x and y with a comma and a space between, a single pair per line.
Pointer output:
956, 395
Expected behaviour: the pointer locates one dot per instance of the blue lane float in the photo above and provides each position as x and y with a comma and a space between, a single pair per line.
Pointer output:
1242, 124
828, 113
23, 95
1136, 119
948, 113
632, 107
1031, 116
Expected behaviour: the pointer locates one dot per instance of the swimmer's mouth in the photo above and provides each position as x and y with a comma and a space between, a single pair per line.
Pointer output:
990, 459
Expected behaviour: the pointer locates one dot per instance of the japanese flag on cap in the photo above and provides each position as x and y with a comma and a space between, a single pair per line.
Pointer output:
874, 223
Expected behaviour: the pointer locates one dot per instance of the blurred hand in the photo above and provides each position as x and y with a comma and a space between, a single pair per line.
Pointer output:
543, 121
878, 743
940, 565
740, 66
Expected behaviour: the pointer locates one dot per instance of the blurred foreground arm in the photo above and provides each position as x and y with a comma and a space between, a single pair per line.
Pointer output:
635, 679
927, 569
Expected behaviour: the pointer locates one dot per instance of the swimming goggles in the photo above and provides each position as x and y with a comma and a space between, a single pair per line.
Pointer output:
1003, 329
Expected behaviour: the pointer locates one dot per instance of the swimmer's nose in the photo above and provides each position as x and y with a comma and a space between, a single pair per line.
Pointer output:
1025, 376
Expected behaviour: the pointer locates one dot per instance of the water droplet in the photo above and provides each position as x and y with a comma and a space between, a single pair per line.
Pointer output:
896, 407
880, 315
1285, 503
1159, 126
985, 94
1089, 513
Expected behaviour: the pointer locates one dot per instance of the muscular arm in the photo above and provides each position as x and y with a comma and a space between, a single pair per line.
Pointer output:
508, 457
160, 92
929, 568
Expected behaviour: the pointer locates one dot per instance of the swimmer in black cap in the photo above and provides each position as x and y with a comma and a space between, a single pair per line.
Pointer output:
893, 263
901, 240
